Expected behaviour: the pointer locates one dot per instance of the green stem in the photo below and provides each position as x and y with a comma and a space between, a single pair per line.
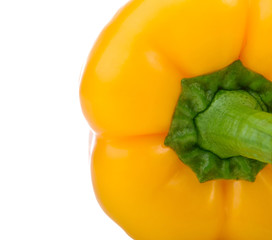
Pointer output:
235, 125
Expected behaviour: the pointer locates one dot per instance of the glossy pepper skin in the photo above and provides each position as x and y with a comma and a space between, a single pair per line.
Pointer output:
128, 93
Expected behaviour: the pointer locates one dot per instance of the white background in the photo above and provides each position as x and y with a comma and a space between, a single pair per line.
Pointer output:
45, 184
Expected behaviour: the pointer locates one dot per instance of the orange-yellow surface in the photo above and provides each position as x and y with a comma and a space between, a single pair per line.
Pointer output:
128, 93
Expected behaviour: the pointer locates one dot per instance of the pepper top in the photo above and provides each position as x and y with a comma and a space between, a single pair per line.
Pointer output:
221, 127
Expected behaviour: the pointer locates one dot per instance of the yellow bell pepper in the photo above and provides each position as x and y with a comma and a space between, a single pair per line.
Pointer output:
129, 90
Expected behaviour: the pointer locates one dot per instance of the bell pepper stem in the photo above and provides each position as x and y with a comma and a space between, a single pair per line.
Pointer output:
235, 125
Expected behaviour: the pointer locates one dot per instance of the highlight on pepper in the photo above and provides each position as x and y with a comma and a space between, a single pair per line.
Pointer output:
179, 96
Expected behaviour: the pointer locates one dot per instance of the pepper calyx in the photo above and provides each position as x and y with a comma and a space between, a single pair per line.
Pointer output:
197, 95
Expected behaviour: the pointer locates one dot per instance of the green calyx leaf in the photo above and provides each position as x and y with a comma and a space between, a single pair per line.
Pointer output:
197, 95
